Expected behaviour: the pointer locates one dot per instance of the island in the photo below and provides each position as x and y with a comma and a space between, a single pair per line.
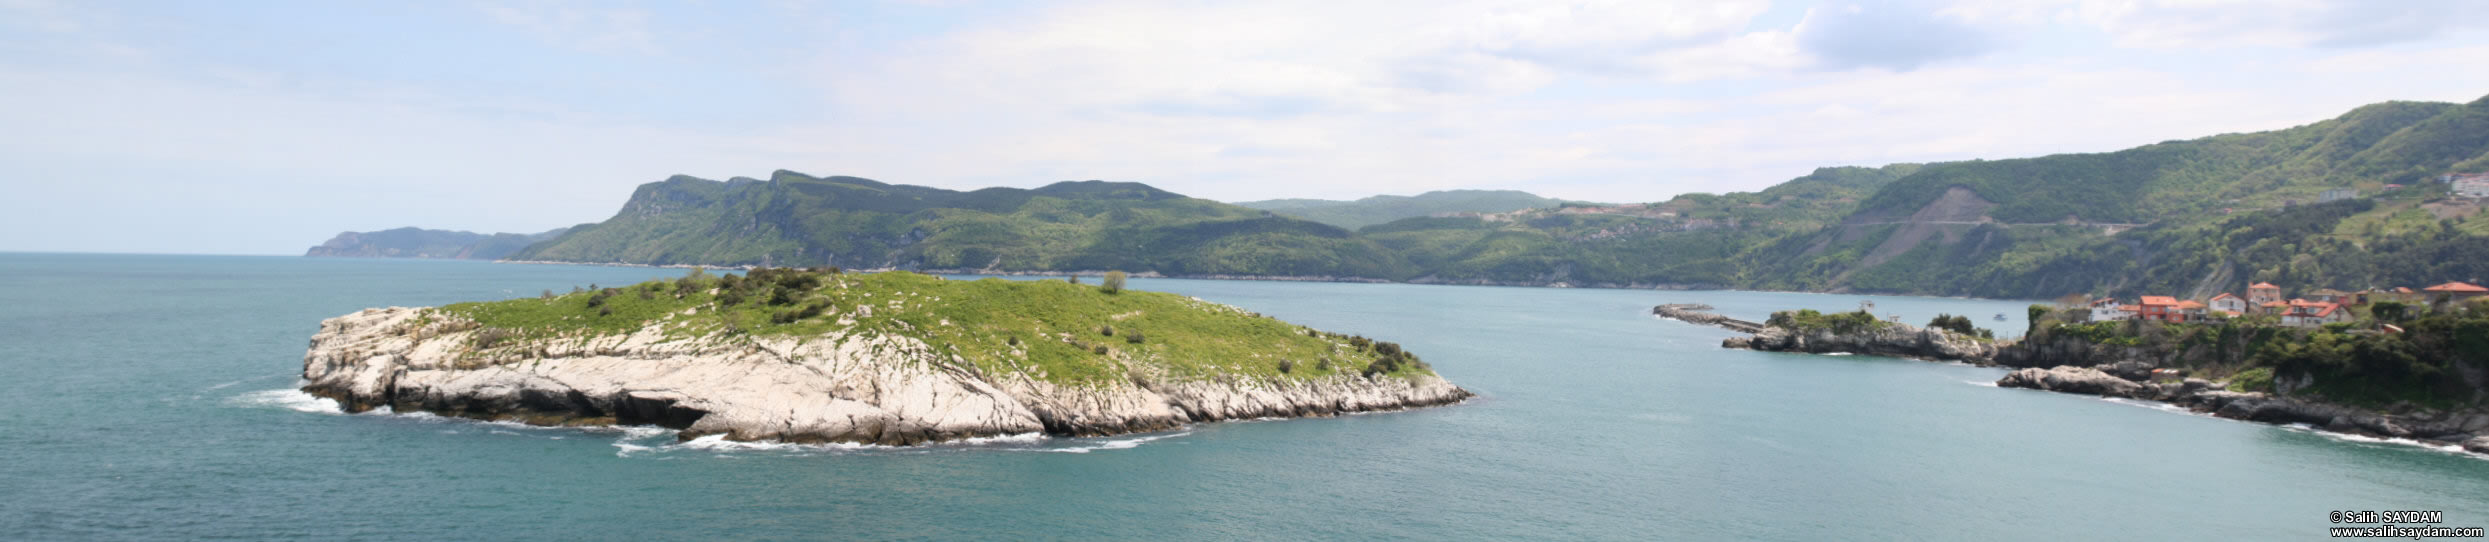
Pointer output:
892, 358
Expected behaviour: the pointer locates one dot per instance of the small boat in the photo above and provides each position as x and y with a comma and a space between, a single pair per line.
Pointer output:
2000, 317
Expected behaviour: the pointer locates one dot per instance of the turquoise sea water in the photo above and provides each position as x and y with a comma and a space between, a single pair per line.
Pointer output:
149, 397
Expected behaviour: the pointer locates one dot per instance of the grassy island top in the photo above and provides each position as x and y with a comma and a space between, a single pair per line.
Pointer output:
1055, 330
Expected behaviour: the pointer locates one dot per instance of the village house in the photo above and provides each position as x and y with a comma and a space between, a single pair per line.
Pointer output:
2230, 304
2262, 293
2382, 295
2330, 295
2313, 313
2158, 307
2454, 291
2474, 185
2192, 311
2105, 309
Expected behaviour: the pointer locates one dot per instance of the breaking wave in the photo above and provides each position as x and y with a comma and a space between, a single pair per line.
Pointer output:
290, 399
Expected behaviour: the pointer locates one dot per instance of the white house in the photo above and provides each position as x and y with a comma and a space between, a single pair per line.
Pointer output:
2472, 187
2225, 302
2106, 309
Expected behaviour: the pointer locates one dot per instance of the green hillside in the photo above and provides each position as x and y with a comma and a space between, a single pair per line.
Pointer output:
796, 219
2185, 218
1693, 240
1379, 209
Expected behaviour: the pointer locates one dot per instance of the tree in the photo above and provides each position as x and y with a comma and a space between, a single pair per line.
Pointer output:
1113, 283
2388, 311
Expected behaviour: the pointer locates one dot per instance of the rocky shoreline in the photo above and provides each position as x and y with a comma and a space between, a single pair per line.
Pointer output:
2129, 378
847, 388
2469, 430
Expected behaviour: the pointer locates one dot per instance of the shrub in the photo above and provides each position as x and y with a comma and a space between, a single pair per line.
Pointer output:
1286, 365
1810, 320
1113, 283
1381, 366
548, 295
1100, 350
1107, 330
2257, 379
1387, 349
491, 337
1133, 337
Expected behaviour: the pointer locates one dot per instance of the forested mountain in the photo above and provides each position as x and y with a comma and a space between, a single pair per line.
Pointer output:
794, 219
1693, 240
2200, 215
413, 242
1379, 209
2181, 218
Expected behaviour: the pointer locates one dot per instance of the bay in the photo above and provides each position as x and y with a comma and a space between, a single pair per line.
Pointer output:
149, 397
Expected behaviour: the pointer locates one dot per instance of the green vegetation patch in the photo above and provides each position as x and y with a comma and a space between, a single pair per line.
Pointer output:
1057, 331
1838, 322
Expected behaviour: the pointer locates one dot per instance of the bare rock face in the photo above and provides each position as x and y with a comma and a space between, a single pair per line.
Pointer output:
878, 389
1896, 340
2083, 380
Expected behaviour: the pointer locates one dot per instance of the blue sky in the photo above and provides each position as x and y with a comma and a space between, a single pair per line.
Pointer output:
264, 127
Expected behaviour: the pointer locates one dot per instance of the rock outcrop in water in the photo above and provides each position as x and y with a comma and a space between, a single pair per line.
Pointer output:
1856, 336
855, 382
1890, 339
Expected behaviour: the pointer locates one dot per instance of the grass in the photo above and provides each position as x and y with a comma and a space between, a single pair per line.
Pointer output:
1049, 329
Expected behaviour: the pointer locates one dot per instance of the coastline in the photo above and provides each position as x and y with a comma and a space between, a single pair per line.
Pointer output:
1427, 281
2464, 430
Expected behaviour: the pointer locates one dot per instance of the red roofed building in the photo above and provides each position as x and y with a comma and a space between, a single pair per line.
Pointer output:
2456, 291
2312, 314
2158, 307
2192, 311
2263, 292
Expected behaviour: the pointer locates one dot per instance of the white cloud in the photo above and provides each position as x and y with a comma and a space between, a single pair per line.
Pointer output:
2180, 24
1614, 101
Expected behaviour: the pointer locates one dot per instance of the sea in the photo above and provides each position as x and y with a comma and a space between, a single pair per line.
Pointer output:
148, 397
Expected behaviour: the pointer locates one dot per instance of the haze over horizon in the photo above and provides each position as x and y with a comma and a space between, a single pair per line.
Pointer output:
263, 127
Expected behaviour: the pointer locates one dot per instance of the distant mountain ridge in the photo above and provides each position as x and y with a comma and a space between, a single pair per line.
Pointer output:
2176, 218
412, 242
793, 219
1373, 210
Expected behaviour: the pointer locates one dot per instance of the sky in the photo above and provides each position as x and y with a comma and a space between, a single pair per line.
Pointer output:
264, 127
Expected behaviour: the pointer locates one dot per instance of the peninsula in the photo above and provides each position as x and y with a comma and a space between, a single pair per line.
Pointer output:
896, 358
2407, 374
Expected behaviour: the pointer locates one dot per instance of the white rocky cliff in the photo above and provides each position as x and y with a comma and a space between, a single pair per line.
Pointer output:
880, 389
